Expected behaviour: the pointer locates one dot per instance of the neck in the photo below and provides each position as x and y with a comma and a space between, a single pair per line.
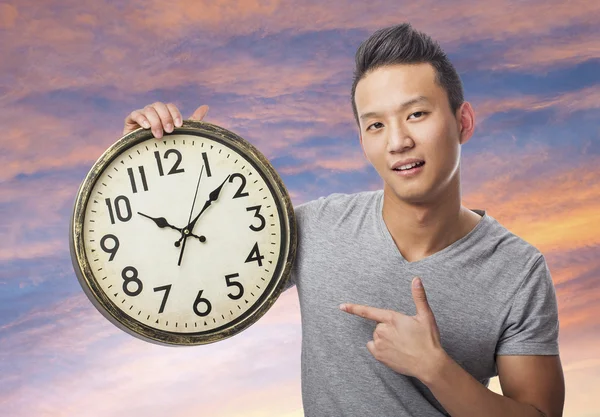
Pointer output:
422, 229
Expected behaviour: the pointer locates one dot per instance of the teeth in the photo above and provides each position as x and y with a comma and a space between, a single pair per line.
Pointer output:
408, 166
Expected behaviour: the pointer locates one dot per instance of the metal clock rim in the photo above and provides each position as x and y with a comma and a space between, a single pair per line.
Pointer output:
100, 299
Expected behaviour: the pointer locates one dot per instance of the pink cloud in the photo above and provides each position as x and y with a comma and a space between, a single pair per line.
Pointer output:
263, 360
151, 34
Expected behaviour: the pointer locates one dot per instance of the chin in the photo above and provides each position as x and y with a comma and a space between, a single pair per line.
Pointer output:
408, 196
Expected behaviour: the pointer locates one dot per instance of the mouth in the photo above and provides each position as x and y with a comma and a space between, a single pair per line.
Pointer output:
410, 167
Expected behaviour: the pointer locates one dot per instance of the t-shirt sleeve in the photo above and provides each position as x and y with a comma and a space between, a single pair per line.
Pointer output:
304, 214
531, 327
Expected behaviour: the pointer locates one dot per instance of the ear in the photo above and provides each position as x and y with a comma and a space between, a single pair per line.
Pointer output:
466, 121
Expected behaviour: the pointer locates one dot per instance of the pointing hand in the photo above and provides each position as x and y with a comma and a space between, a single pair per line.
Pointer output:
409, 345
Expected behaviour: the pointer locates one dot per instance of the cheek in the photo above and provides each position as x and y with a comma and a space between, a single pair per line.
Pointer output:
373, 151
440, 145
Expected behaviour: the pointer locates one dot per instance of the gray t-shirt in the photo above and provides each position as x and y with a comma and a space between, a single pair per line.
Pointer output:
491, 293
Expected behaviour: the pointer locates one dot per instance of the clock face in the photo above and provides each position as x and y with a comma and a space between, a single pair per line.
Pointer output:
185, 236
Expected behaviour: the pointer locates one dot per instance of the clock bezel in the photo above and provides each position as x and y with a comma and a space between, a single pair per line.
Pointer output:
108, 308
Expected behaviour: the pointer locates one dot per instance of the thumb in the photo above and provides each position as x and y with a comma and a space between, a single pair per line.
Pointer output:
200, 113
419, 297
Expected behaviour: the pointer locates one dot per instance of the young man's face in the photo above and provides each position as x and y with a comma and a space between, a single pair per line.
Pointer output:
404, 114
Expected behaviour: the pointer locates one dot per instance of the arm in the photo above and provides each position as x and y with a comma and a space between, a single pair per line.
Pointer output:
306, 216
527, 359
533, 386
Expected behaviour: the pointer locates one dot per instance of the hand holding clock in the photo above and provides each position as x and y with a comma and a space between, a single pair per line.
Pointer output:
159, 117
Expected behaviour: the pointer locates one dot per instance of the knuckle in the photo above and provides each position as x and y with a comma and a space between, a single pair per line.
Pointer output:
173, 109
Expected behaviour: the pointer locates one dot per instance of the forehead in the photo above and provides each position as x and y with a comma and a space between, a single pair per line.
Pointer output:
395, 84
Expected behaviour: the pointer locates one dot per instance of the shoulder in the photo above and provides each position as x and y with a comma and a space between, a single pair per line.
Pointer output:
336, 206
511, 251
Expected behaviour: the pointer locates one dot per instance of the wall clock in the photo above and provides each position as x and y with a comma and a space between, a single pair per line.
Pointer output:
184, 240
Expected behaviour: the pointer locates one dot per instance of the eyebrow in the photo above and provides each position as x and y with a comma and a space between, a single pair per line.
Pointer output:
412, 101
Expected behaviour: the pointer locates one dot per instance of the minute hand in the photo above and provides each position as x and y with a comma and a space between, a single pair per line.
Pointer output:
212, 197
187, 231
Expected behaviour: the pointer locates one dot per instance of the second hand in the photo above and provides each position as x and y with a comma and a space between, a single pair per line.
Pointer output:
185, 232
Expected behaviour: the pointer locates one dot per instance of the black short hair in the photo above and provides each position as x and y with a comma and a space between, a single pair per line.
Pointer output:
402, 44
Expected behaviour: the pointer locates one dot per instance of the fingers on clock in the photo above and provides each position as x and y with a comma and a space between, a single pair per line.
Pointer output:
134, 120
175, 114
150, 114
167, 121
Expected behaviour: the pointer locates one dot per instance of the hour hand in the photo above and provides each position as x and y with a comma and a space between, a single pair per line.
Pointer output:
212, 197
160, 222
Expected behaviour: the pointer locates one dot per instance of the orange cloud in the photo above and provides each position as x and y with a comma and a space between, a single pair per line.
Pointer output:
583, 99
337, 164
8, 16
461, 21
558, 209
550, 53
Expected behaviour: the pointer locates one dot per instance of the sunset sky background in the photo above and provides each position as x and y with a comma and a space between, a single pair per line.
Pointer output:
278, 73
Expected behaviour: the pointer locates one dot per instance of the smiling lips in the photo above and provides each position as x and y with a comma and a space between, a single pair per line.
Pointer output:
408, 169
409, 166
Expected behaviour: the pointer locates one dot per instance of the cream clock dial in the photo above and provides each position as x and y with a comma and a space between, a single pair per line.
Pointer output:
183, 240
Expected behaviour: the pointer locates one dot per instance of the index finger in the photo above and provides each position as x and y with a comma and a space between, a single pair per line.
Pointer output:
378, 314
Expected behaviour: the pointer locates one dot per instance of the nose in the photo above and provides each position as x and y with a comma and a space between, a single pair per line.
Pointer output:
399, 140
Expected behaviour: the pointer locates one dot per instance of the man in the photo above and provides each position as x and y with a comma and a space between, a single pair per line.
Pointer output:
410, 302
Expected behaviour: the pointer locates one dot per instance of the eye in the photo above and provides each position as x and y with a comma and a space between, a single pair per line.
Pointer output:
419, 113
374, 124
